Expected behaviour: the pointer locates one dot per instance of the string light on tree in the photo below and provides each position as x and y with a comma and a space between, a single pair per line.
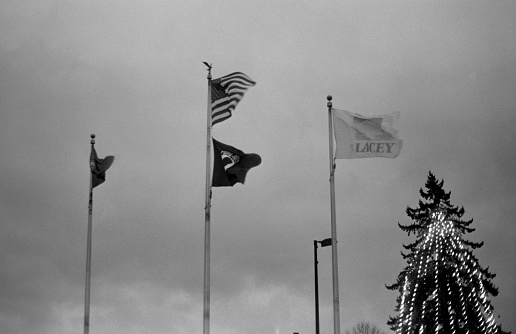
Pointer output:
443, 289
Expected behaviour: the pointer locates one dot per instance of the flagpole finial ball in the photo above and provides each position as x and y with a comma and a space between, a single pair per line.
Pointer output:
92, 136
329, 97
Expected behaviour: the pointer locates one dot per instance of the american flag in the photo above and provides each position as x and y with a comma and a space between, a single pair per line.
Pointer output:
226, 92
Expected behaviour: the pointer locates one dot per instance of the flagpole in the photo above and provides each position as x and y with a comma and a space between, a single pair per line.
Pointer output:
334, 262
88, 249
206, 315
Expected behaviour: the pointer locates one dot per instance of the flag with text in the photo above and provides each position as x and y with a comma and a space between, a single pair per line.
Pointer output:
360, 136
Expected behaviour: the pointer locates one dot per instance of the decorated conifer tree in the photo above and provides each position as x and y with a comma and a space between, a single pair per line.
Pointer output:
443, 288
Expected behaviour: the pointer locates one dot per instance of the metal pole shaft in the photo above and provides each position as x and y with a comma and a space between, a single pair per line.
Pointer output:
206, 315
88, 255
334, 260
317, 330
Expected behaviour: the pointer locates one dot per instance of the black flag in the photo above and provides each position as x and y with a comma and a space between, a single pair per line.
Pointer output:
99, 167
231, 165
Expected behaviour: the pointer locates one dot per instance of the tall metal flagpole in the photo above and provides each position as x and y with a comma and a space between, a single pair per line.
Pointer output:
316, 274
206, 317
88, 249
335, 265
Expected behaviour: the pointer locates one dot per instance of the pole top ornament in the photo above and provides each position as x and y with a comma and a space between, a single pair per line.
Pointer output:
209, 68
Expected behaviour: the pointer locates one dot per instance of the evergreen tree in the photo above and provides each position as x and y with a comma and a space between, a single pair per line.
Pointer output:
443, 288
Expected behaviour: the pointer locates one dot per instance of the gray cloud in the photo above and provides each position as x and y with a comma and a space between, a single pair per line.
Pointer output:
132, 74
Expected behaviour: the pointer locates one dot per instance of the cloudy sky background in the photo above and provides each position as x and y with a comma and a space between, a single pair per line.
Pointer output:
131, 72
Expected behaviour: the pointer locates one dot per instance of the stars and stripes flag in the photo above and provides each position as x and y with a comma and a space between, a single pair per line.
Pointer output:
226, 92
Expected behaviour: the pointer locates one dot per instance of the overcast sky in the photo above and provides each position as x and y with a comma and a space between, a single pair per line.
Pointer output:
131, 72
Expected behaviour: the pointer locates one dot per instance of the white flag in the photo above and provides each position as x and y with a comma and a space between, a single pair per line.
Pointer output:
359, 136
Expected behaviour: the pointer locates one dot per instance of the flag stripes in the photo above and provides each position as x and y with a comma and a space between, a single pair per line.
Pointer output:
226, 93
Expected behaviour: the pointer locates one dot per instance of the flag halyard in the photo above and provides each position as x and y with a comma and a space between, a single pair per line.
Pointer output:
226, 93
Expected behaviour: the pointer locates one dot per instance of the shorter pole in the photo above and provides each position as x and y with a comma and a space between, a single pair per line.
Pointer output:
324, 243
88, 249
317, 331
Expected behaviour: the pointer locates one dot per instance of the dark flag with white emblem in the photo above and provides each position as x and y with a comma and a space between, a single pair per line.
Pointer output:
231, 165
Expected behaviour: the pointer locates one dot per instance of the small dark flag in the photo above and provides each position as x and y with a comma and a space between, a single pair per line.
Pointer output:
231, 165
226, 92
99, 167
326, 242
